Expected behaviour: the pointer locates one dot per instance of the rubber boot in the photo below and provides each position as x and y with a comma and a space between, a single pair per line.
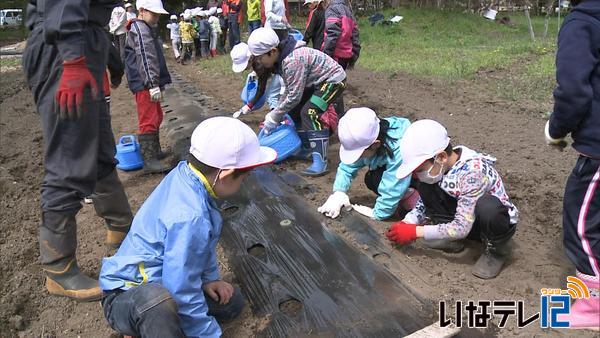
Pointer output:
150, 146
445, 245
58, 243
304, 152
585, 312
492, 259
319, 141
111, 203
161, 154
64, 279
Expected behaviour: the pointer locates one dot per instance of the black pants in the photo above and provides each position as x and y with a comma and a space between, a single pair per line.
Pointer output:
492, 221
77, 153
581, 216
314, 103
120, 45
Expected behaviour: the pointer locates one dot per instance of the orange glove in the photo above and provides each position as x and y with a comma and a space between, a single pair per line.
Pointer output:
402, 232
76, 77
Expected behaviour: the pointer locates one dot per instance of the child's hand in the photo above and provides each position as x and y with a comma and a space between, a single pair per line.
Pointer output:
219, 291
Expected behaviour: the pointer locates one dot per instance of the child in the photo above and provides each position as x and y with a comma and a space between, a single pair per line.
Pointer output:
204, 34
215, 31
313, 81
460, 192
253, 13
341, 34
188, 34
577, 112
164, 281
175, 37
147, 75
224, 25
276, 19
130, 12
375, 143
268, 83
315, 24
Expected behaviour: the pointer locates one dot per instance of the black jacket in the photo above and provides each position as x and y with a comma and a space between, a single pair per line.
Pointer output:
577, 96
315, 28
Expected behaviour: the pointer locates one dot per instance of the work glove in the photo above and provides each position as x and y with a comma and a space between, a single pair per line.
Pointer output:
334, 204
402, 232
76, 77
243, 111
155, 94
272, 121
363, 210
559, 143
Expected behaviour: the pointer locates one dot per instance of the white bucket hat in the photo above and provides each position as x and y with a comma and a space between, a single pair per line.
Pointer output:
240, 55
154, 6
357, 130
421, 141
173, 17
227, 143
262, 40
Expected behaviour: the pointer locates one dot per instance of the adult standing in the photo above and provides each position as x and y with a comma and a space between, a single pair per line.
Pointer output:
253, 12
131, 14
234, 8
577, 112
276, 19
65, 63
341, 34
116, 25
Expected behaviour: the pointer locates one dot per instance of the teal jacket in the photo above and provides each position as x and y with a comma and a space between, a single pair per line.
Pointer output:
172, 242
390, 189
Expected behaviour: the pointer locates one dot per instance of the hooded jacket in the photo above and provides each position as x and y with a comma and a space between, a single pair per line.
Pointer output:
341, 32
391, 190
315, 27
145, 63
577, 96
172, 242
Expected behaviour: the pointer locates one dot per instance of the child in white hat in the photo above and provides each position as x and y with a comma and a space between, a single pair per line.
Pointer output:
367, 141
164, 281
313, 81
215, 30
461, 194
173, 26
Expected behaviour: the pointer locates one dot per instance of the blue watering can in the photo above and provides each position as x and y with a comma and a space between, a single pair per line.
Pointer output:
296, 34
129, 153
249, 91
284, 140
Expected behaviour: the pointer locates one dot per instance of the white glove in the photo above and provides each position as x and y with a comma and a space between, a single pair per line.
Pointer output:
155, 94
558, 142
243, 111
272, 121
334, 204
363, 210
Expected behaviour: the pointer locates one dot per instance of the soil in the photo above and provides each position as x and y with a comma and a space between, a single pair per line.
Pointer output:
534, 176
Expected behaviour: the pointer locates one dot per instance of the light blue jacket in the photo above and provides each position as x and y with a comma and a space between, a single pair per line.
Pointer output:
172, 242
390, 189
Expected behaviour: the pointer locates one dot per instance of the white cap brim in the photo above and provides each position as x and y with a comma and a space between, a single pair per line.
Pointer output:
351, 156
266, 156
407, 168
156, 10
239, 67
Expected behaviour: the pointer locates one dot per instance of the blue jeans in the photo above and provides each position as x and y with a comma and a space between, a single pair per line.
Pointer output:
149, 311
234, 30
252, 25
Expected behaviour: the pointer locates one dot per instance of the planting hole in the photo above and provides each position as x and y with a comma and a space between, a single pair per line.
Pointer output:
229, 210
257, 250
291, 307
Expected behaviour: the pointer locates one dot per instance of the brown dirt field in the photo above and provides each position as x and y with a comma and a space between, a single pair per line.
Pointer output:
534, 176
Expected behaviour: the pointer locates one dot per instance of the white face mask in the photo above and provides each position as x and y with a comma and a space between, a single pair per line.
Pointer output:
425, 176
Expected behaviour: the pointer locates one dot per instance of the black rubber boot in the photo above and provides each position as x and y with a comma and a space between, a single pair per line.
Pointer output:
445, 245
112, 205
161, 154
64, 279
492, 259
150, 146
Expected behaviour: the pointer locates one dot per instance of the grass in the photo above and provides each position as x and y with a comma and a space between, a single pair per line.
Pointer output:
12, 35
450, 44
9, 62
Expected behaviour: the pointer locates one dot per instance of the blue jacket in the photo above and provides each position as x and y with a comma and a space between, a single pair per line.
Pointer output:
577, 96
172, 242
145, 63
390, 189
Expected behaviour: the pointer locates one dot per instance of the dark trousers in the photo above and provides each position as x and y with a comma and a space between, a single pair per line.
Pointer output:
282, 34
120, 45
581, 216
197, 50
205, 48
253, 25
314, 103
234, 30
77, 153
373, 179
492, 222
150, 311
223, 40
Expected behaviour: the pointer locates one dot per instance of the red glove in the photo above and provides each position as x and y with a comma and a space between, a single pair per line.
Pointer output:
402, 232
69, 95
